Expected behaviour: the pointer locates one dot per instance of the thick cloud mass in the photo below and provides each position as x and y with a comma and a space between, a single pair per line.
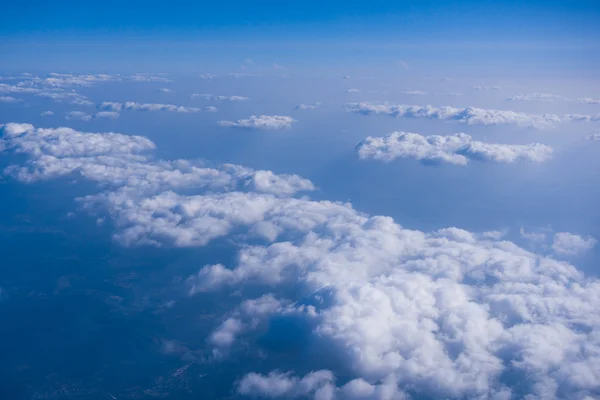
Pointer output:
389, 311
468, 115
455, 149
272, 122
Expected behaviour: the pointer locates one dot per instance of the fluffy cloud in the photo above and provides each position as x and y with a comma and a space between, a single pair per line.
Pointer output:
455, 149
388, 310
552, 97
276, 385
133, 106
566, 243
213, 97
468, 115
272, 122
318, 385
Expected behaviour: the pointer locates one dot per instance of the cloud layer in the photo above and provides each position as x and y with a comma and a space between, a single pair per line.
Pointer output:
455, 149
389, 311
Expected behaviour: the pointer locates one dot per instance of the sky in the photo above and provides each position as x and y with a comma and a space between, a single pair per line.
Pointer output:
300, 200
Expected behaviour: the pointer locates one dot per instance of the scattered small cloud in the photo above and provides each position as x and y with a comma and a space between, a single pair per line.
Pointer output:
569, 244
352, 90
46, 113
270, 122
308, 106
554, 97
82, 116
133, 106
478, 87
595, 135
218, 98
9, 99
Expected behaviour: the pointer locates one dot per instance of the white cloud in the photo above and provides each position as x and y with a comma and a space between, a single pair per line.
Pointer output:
79, 115
219, 98
318, 385
566, 243
133, 106
444, 314
243, 75
479, 87
165, 90
455, 149
352, 90
308, 106
208, 76
469, 115
271, 122
277, 385
595, 135
46, 113
552, 97
9, 99
533, 236
416, 92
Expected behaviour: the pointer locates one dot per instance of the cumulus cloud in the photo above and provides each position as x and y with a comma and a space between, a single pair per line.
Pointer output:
9, 99
318, 385
389, 310
221, 98
569, 244
455, 149
468, 115
271, 122
277, 385
133, 106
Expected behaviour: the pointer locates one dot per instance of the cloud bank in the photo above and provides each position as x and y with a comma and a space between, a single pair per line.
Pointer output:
455, 149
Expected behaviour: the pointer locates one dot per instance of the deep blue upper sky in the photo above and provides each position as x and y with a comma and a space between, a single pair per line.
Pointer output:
428, 19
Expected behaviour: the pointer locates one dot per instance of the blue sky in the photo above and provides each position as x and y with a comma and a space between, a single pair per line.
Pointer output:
300, 200
130, 35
